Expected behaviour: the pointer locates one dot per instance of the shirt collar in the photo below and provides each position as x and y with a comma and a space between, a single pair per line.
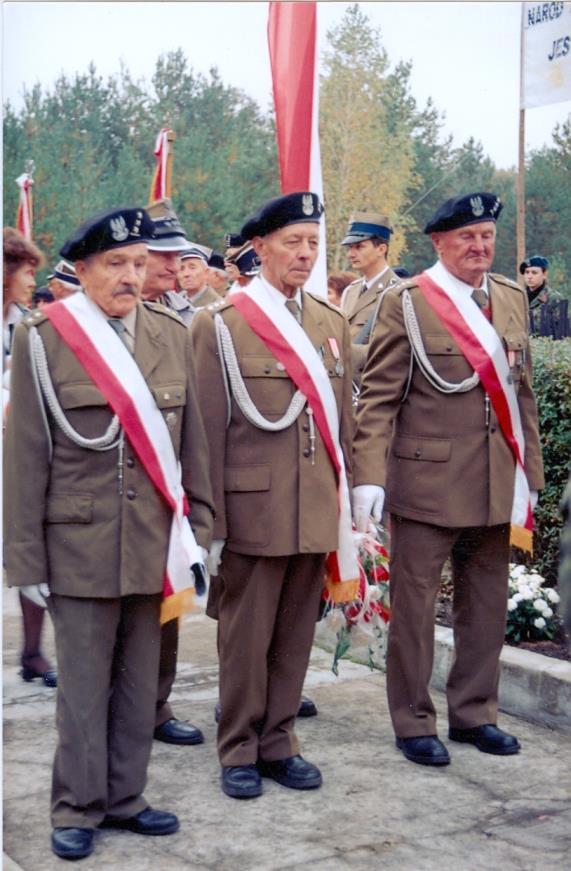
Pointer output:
380, 274
278, 296
461, 285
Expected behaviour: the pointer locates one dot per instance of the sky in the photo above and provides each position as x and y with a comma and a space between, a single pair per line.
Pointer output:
465, 55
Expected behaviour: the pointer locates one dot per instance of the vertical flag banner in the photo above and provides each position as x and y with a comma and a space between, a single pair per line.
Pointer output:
24, 214
292, 38
160, 185
546, 47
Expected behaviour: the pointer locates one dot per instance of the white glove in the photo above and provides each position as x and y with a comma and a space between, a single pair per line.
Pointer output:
368, 501
36, 593
533, 497
215, 555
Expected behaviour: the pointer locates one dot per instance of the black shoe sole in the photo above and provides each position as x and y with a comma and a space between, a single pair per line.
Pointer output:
181, 742
499, 751
236, 792
292, 784
424, 760
72, 856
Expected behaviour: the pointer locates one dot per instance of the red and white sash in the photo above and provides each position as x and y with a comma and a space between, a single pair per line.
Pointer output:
484, 350
288, 342
84, 328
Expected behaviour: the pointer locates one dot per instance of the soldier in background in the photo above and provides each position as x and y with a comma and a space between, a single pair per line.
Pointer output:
192, 277
165, 248
218, 278
367, 242
63, 281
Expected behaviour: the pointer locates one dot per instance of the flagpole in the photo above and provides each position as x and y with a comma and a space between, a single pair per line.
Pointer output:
171, 136
520, 231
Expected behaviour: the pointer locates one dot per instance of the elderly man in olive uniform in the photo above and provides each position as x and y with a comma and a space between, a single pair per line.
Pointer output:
88, 523
367, 242
274, 489
450, 457
193, 276
167, 245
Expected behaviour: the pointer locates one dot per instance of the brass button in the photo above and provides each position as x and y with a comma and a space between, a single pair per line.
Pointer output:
131, 494
493, 428
267, 370
280, 366
417, 452
448, 347
130, 462
305, 427
306, 452
166, 395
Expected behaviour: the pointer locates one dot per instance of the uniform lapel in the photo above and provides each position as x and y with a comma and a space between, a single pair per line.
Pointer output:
148, 342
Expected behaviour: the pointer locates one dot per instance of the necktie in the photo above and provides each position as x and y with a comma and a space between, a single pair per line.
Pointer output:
293, 307
480, 297
120, 328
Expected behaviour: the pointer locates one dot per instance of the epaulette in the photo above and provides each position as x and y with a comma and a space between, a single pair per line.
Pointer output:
507, 282
219, 305
402, 285
318, 298
161, 309
356, 281
34, 318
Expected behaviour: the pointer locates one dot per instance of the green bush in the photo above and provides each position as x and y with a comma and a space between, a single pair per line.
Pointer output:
552, 385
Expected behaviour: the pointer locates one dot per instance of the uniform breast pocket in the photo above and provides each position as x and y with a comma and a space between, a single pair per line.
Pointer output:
69, 508
171, 400
446, 357
85, 408
268, 384
247, 491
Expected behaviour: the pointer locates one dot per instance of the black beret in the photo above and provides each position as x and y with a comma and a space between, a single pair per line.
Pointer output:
462, 211
536, 260
297, 208
216, 261
42, 293
112, 229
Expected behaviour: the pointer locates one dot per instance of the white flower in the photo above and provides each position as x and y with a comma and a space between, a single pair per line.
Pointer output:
539, 623
517, 597
525, 592
547, 612
512, 604
374, 593
536, 579
552, 595
516, 571
540, 604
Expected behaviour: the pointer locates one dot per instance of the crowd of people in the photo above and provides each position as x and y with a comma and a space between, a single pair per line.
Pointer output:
176, 415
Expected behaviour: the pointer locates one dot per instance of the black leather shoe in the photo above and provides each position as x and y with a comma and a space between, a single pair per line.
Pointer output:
293, 772
49, 677
307, 708
241, 781
72, 843
424, 749
488, 739
147, 822
178, 732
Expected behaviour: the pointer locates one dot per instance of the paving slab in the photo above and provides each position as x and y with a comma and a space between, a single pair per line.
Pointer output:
375, 809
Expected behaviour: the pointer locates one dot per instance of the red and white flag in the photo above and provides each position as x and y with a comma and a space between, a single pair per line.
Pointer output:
292, 37
159, 184
24, 213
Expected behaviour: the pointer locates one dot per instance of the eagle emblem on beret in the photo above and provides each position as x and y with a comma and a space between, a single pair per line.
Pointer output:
118, 228
477, 206
307, 204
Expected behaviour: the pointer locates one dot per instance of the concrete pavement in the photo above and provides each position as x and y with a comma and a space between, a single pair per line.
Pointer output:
375, 809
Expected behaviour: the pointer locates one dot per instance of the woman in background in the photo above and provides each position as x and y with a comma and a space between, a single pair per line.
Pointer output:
21, 260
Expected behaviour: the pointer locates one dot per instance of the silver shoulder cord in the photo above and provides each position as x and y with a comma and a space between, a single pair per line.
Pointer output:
356, 388
234, 385
421, 357
113, 436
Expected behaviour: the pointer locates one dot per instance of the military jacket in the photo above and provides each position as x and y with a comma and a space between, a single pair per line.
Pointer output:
271, 498
91, 523
447, 462
359, 306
